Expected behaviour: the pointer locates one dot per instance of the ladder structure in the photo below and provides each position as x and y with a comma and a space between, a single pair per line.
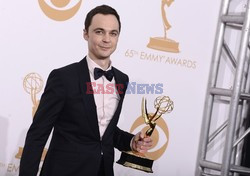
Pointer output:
232, 129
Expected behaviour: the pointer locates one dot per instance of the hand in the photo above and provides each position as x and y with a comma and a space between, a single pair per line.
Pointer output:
141, 143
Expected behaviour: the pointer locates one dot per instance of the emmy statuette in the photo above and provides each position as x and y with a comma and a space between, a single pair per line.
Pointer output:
140, 161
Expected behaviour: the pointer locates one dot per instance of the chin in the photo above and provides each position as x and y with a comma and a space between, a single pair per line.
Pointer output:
103, 57
106, 55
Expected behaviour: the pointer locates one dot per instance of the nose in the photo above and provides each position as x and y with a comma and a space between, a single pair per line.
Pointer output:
106, 38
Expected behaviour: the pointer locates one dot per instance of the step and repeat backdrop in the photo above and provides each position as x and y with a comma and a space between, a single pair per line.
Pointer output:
165, 47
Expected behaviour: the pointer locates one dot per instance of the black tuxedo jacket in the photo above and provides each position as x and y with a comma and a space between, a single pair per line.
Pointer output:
75, 148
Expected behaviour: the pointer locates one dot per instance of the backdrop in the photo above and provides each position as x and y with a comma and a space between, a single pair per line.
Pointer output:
165, 47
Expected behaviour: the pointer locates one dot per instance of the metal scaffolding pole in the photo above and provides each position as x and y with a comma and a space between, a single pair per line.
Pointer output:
239, 95
212, 82
237, 88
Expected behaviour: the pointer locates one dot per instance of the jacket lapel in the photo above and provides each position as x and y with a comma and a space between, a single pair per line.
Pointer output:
120, 82
88, 98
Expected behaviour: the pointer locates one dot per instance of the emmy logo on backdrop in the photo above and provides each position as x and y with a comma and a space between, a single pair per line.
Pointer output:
140, 161
164, 43
32, 84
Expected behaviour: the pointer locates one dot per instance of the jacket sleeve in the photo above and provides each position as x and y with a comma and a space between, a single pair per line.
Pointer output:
51, 104
122, 140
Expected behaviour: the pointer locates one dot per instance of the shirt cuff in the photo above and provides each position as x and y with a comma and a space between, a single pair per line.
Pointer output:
131, 144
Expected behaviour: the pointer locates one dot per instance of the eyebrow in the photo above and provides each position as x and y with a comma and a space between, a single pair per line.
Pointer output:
114, 30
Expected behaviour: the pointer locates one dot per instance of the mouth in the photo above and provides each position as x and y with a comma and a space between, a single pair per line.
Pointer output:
105, 47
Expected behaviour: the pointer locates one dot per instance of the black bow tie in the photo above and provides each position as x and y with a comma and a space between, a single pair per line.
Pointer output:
99, 72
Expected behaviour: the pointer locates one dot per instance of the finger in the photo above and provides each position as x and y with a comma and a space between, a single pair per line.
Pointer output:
137, 137
142, 143
147, 139
141, 135
142, 149
146, 144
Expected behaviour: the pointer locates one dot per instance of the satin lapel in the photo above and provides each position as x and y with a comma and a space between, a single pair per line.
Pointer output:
120, 83
88, 98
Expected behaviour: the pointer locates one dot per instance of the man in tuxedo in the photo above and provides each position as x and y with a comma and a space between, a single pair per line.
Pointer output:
84, 121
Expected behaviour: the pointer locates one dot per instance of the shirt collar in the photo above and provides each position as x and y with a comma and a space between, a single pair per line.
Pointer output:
92, 65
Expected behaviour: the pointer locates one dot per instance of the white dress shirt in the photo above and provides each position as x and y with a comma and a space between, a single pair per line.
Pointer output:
106, 103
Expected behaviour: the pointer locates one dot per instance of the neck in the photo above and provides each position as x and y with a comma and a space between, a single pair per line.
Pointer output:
103, 63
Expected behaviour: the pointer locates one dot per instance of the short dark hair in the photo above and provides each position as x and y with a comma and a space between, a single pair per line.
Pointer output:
103, 9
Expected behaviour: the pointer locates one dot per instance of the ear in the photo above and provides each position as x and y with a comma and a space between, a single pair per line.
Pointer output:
85, 34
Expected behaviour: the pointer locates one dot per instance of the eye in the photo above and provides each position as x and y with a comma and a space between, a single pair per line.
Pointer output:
99, 32
114, 34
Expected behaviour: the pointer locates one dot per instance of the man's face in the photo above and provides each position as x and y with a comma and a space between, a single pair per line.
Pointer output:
102, 36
